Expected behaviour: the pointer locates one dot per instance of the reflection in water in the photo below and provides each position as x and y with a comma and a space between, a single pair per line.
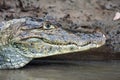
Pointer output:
65, 71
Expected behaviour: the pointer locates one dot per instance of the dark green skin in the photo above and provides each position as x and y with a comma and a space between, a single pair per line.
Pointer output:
23, 39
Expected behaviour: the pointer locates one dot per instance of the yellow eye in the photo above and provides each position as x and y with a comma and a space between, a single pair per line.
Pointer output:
48, 26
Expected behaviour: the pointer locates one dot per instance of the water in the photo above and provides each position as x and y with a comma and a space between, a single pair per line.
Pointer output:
59, 70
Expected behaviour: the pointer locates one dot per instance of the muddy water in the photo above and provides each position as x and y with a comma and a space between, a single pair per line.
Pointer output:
51, 70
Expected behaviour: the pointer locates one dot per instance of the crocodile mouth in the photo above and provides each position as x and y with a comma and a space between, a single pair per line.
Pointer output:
56, 42
84, 45
63, 43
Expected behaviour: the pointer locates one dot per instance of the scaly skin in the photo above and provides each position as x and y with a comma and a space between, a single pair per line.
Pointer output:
23, 39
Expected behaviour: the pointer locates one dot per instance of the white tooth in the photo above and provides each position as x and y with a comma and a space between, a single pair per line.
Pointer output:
98, 45
104, 36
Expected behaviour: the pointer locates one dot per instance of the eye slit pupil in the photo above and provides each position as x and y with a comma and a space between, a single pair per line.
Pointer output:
48, 26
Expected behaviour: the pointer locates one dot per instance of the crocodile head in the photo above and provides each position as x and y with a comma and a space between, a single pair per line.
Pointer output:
40, 38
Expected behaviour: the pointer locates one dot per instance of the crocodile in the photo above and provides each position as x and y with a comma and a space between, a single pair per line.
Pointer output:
23, 39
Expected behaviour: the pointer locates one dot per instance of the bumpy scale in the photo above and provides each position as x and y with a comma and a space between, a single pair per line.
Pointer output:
23, 39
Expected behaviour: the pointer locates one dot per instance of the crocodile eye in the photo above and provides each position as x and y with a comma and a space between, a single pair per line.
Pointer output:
48, 26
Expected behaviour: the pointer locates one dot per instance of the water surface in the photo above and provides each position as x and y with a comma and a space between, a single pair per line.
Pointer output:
65, 70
